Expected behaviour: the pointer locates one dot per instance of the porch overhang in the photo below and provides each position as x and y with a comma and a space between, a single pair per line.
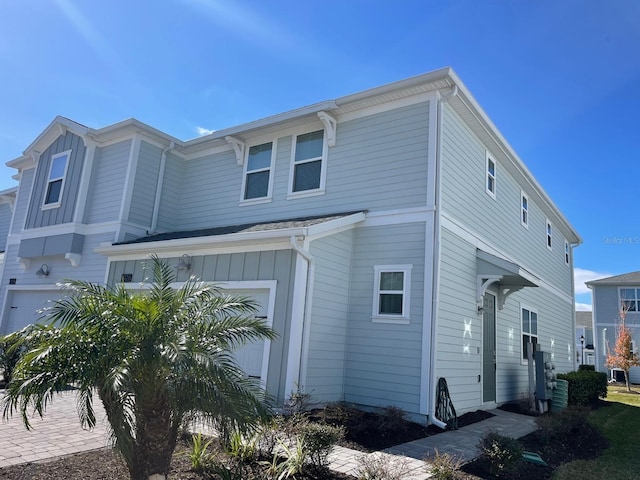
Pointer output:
506, 276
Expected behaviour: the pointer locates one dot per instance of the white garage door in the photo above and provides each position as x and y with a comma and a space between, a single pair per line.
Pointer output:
25, 305
251, 356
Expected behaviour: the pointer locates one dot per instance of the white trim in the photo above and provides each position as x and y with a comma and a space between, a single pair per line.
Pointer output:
296, 326
548, 235
405, 316
246, 173
49, 180
524, 211
239, 148
207, 152
397, 217
85, 179
132, 166
567, 253
480, 242
489, 157
330, 127
61, 229
323, 167
385, 107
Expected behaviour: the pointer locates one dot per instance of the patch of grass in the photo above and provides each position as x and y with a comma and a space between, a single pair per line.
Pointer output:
620, 423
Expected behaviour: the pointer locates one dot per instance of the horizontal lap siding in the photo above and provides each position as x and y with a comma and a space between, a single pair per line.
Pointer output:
384, 360
36, 216
382, 154
465, 199
107, 183
326, 358
459, 329
5, 223
269, 265
145, 184
22, 200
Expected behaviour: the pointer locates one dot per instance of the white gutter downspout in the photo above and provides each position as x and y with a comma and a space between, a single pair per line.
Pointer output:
436, 266
306, 318
156, 202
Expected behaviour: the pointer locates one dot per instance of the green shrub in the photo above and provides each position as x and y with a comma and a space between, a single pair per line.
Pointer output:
319, 439
199, 455
443, 466
378, 466
503, 453
393, 421
587, 368
585, 386
563, 426
12, 347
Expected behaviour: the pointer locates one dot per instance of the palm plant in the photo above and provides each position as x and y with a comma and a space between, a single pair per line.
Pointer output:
156, 358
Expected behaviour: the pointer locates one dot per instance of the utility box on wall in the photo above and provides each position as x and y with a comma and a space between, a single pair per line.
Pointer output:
545, 375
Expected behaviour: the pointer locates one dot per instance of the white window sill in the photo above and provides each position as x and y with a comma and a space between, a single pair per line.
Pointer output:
49, 206
254, 201
305, 194
396, 320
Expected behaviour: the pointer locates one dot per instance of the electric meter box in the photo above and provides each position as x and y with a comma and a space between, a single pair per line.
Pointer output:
545, 375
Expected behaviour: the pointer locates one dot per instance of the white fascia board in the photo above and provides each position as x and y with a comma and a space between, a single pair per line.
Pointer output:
333, 226
53, 131
24, 162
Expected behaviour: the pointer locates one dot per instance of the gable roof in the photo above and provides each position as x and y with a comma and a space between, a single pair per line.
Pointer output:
631, 278
584, 319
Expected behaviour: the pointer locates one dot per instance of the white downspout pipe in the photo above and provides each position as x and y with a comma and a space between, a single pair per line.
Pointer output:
156, 202
436, 266
306, 319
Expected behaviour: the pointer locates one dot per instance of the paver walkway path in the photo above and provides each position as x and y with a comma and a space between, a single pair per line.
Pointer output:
59, 433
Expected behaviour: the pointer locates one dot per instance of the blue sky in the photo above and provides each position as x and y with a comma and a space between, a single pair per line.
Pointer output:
560, 79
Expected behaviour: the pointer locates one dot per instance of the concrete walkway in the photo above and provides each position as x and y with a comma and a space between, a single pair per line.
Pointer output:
59, 433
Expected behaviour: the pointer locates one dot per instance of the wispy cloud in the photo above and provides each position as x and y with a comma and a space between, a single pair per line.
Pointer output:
583, 307
201, 131
581, 275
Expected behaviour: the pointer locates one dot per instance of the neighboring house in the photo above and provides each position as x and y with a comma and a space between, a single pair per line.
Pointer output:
392, 237
611, 296
584, 339
7, 202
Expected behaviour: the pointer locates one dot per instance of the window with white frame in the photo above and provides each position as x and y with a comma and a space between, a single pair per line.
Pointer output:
392, 293
524, 209
567, 253
549, 234
491, 176
308, 163
55, 180
257, 178
529, 329
629, 298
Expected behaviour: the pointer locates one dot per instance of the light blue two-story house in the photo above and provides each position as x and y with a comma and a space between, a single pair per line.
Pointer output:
392, 237
613, 297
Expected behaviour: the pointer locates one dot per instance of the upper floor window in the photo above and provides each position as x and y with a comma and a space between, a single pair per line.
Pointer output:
308, 164
529, 330
257, 179
391, 295
55, 180
629, 298
549, 234
567, 253
491, 176
524, 209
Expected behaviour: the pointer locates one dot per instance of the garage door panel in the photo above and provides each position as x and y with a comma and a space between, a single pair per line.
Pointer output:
25, 308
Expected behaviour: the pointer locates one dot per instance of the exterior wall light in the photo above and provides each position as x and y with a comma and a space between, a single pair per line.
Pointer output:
43, 271
184, 263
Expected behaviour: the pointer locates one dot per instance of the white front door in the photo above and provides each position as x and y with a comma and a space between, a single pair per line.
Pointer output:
250, 357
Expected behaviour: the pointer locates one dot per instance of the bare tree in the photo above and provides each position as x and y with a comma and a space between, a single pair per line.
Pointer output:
623, 355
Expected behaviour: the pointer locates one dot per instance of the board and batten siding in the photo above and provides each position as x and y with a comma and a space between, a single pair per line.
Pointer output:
329, 317
375, 158
36, 215
5, 223
276, 265
145, 184
465, 200
107, 183
383, 359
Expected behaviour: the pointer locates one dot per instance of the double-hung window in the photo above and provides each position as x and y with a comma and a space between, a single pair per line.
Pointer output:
391, 297
529, 330
491, 176
549, 234
629, 298
308, 163
567, 253
55, 180
257, 178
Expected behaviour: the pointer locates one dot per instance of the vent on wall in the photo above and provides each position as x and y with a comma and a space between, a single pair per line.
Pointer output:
126, 278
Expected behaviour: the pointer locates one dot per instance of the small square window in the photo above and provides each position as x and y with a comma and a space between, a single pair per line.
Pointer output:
391, 293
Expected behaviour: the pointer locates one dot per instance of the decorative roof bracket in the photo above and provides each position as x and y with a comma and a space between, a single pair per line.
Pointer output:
330, 125
238, 146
